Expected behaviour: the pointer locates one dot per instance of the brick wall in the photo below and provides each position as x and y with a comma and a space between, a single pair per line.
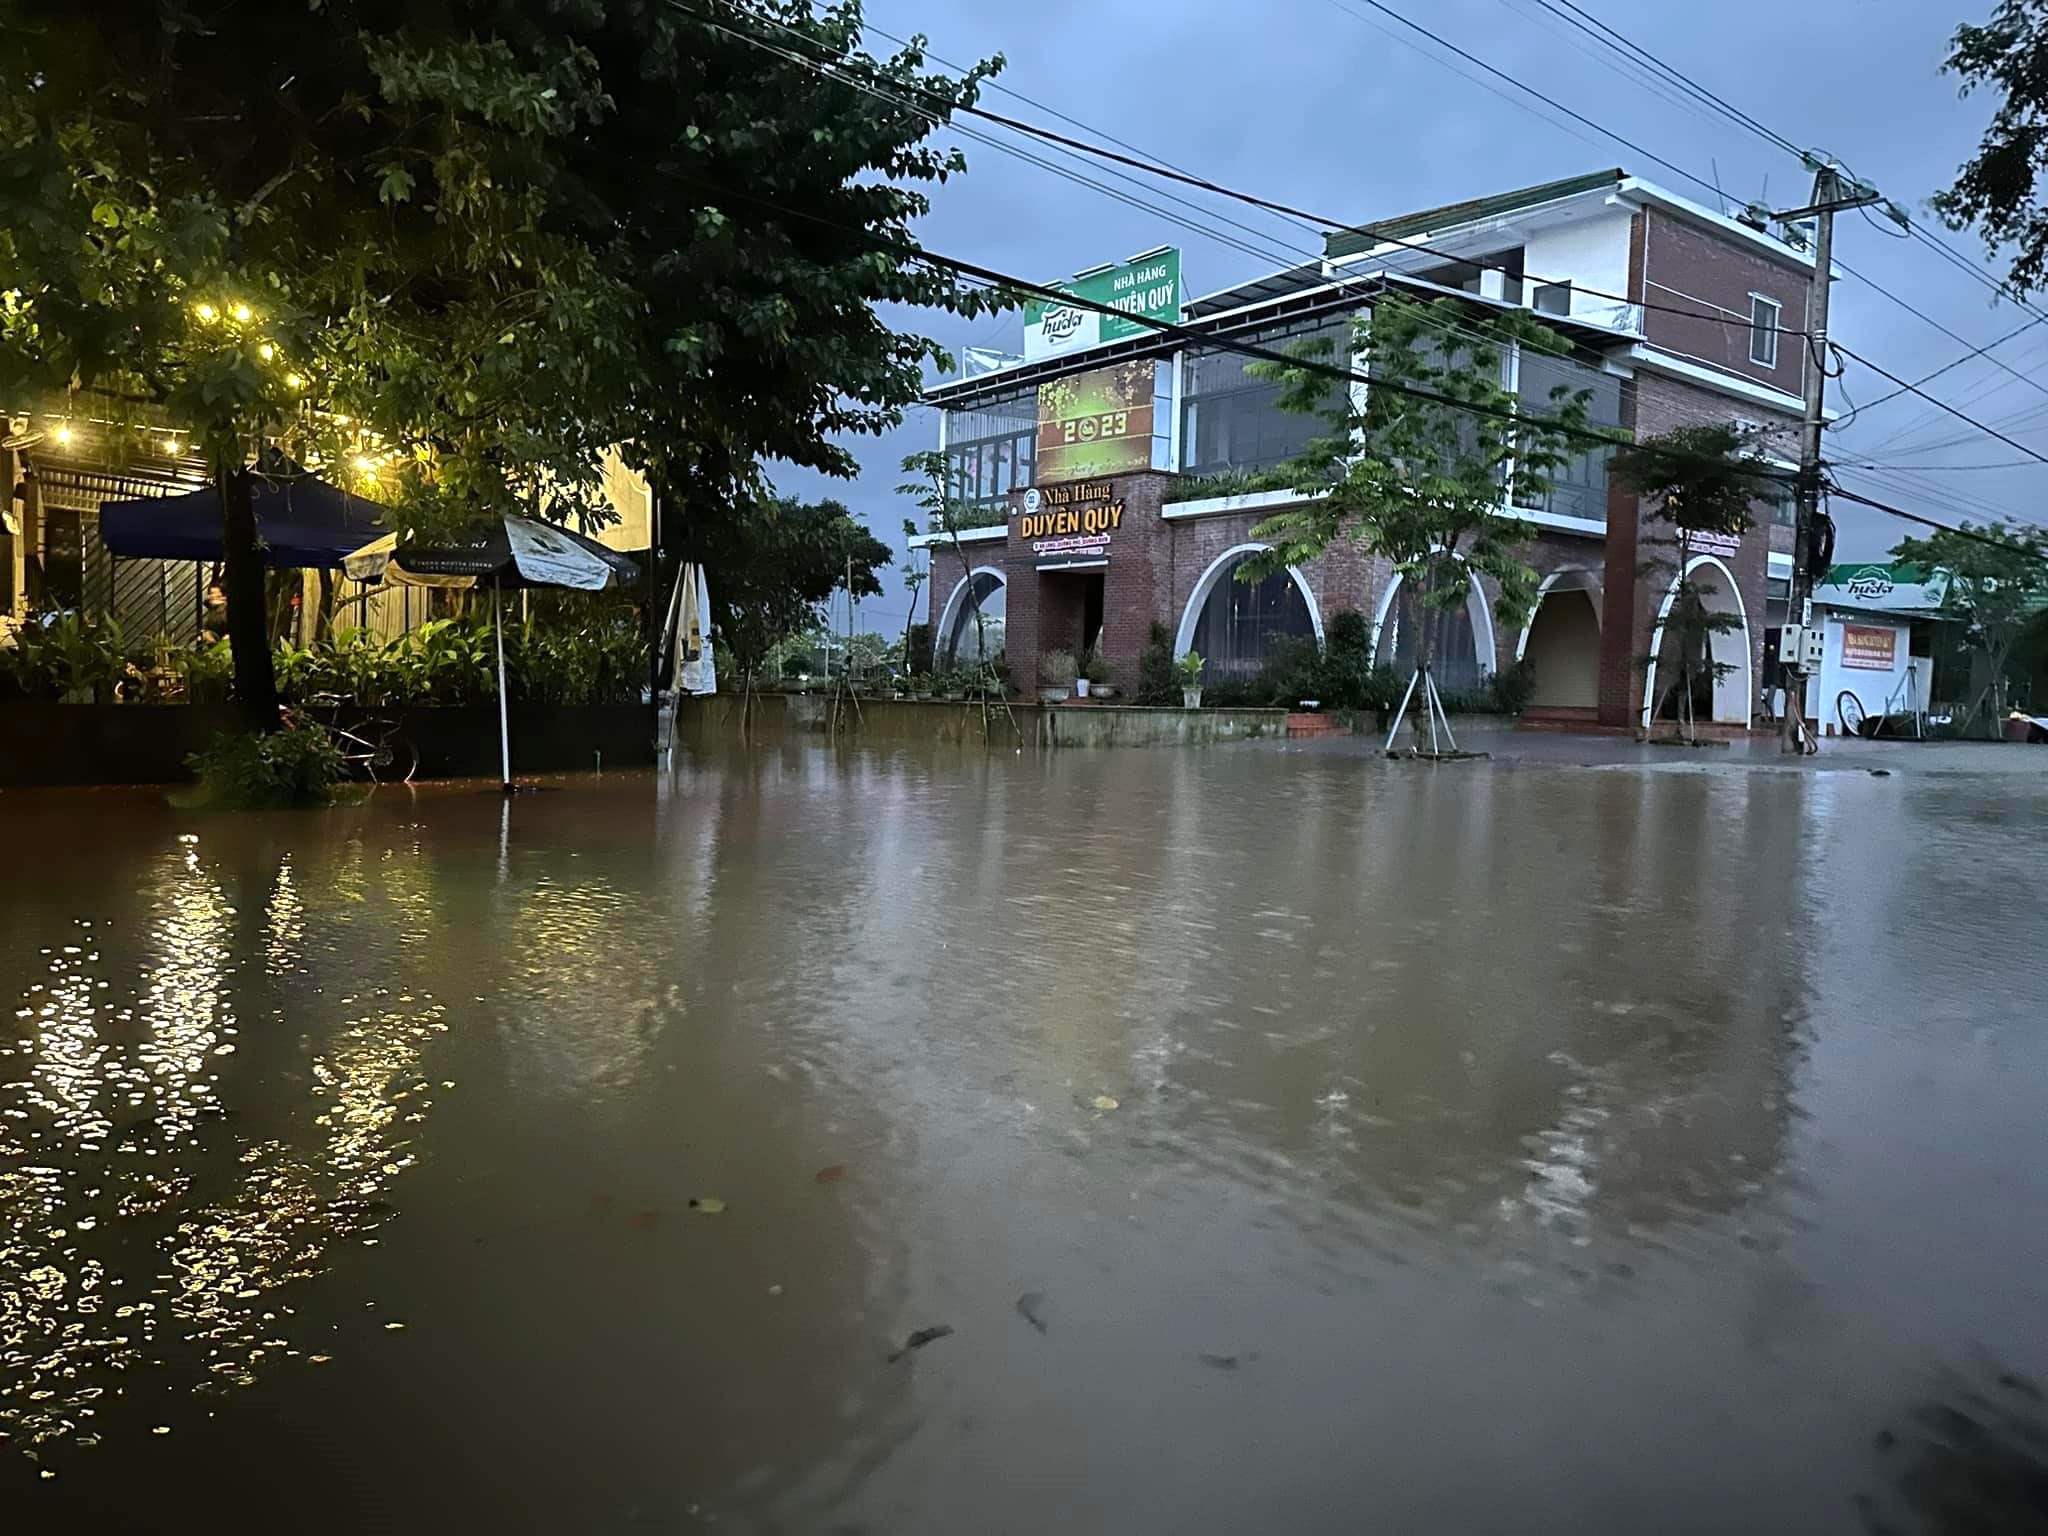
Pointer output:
1687, 267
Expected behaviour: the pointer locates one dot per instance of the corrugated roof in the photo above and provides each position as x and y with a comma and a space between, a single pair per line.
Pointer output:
1350, 242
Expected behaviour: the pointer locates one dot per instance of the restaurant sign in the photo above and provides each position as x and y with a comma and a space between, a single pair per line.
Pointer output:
1144, 288
1097, 423
1070, 524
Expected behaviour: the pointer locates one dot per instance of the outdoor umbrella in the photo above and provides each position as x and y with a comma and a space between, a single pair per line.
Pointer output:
510, 552
302, 519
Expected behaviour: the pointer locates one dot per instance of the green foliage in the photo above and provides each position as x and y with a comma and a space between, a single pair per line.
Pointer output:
1190, 668
1158, 684
1422, 482
246, 770
1997, 583
1995, 190
1224, 482
1094, 665
917, 651
207, 671
1339, 675
1513, 686
587, 653
1697, 480
66, 658
772, 568
1056, 668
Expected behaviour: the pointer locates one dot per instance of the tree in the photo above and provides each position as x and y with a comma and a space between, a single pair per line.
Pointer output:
770, 574
444, 243
1422, 467
1994, 191
1702, 481
946, 514
1997, 584
914, 577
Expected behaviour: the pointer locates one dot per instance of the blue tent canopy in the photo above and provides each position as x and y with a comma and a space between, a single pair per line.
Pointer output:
302, 520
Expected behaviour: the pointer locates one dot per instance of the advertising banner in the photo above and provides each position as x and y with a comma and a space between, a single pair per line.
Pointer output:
1883, 588
1096, 423
1147, 286
1870, 647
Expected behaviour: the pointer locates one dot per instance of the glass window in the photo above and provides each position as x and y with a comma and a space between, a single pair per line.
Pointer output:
967, 641
989, 450
1763, 330
1454, 652
1578, 488
1231, 420
1554, 298
1240, 621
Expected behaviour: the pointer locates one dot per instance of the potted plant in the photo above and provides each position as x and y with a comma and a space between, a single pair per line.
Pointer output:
921, 685
1056, 674
1093, 671
1190, 668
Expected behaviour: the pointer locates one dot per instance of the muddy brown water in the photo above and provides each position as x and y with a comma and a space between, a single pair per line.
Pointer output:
1289, 1141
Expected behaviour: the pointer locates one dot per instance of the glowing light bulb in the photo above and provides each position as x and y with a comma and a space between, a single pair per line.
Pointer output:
63, 433
365, 465
241, 312
266, 351
295, 381
206, 311
170, 445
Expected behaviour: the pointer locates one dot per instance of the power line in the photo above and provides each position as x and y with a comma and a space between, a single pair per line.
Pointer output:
1305, 219
1927, 522
1944, 368
1915, 389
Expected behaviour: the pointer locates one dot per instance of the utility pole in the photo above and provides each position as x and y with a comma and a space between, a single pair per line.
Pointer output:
1831, 194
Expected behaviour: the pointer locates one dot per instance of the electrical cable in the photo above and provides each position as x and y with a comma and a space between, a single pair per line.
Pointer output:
1912, 388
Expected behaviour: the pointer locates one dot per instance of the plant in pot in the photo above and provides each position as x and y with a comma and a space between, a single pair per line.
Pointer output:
1094, 670
1190, 668
1056, 674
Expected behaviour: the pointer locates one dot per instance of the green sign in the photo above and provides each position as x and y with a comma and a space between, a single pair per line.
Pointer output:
1147, 288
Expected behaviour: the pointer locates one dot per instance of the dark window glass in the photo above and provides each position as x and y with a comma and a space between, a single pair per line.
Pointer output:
1578, 488
1231, 420
1454, 652
1763, 331
1240, 621
964, 641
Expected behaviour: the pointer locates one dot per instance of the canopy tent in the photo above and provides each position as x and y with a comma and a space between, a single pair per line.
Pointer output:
302, 520
510, 552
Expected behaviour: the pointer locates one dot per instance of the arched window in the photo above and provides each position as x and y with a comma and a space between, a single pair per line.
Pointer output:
962, 641
1240, 622
1454, 649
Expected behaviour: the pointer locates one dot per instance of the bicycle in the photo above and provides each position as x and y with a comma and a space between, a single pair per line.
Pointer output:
371, 748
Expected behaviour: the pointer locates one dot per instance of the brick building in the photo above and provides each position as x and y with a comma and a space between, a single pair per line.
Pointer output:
1675, 315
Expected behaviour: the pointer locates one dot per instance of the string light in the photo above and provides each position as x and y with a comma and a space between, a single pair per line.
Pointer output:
63, 434
365, 465
206, 312
266, 351
242, 313
295, 381
170, 445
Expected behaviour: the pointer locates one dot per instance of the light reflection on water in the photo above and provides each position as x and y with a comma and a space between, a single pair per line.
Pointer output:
1515, 1149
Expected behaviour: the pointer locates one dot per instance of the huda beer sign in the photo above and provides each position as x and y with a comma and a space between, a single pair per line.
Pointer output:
1070, 524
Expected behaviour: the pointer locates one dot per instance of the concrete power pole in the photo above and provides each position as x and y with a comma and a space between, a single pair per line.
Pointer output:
1831, 194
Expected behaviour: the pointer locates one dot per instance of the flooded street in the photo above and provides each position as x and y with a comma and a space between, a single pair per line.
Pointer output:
1290, 1140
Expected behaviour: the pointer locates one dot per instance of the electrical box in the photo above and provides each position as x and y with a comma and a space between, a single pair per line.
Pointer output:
1789, 645
1816, 643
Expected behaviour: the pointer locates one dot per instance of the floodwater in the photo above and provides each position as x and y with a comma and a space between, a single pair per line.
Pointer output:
1291, 1141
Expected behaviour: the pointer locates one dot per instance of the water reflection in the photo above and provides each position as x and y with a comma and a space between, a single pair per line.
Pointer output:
1532, 1147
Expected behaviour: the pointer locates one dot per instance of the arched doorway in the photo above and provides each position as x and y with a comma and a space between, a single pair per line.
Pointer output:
1730, 699
1561, 643
961, 641
1461, 648
1234, 624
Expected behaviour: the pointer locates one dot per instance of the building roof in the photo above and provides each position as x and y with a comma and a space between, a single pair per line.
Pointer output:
1365, 237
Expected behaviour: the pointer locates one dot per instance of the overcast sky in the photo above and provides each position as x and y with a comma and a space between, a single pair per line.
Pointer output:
1331, 106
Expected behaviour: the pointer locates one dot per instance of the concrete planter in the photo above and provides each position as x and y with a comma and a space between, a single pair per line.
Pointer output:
1191, 698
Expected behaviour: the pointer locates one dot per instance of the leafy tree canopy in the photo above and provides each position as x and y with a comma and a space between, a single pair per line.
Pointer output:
1702, 479
1426, 482
1994, 191
1998, 584
772, 570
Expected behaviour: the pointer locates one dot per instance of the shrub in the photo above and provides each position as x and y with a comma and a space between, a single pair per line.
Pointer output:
1157, 681
1514, 686
66, 658
1056, 668
917, 653
296, 766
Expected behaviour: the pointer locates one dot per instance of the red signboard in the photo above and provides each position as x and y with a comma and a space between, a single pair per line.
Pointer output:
1869, 648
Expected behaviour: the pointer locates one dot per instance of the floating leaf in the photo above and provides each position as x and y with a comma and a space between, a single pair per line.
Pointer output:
709, 1205
919, 1339
1104, 1101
